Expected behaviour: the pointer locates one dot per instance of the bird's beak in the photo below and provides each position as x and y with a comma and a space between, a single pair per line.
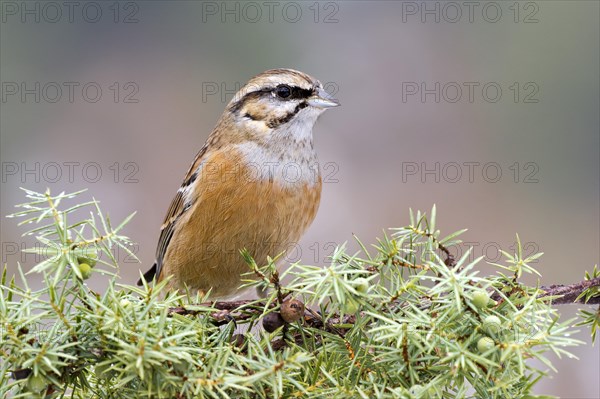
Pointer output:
322, 99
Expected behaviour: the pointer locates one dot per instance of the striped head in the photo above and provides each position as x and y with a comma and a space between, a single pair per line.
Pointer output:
283, 101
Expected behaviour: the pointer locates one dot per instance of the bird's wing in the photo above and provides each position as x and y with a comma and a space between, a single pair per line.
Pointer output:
177, 208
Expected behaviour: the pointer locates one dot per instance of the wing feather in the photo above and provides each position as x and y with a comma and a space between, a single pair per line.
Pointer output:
176, 209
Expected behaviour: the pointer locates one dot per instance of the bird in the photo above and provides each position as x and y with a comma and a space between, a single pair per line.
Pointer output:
255, 185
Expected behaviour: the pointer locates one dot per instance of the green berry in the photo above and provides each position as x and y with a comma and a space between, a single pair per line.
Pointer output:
36, 383
351, 306
416, 390
85, 270
485, 344
361, 285
90, 258
491, 324
480, 299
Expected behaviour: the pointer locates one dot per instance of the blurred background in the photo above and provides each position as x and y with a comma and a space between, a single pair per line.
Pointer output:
490, 110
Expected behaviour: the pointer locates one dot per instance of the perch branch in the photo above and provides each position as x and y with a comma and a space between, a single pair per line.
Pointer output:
569, 293
238, 311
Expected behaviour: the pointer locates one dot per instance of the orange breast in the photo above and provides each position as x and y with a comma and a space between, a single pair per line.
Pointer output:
233, 208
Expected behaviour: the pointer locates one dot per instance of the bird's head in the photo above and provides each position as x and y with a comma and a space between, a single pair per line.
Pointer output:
279, 102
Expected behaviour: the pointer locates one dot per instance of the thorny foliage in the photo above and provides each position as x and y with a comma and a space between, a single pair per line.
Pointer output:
397, 322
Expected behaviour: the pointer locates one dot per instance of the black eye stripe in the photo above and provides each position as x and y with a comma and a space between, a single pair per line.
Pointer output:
297, 93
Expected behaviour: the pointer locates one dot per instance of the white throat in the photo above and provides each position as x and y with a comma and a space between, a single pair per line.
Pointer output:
286, 154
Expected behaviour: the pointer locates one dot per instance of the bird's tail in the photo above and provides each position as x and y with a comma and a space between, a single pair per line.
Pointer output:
149, 275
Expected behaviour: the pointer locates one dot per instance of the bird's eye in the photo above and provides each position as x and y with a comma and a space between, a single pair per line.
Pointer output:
283, 91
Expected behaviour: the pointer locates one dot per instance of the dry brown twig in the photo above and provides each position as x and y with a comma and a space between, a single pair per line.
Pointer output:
239, 310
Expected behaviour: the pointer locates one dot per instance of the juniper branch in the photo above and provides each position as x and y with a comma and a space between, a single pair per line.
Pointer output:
565, 294
569, 293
